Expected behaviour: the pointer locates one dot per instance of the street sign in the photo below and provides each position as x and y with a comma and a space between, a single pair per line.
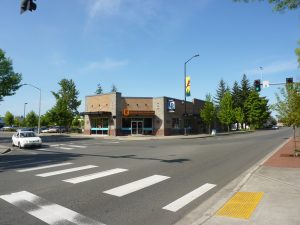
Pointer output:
266, 84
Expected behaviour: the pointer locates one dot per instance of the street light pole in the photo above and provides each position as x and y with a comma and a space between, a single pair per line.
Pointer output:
261, 68
39, 123
184, 116
24, 110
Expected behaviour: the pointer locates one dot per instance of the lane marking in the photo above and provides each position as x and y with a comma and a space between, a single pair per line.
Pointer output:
77, 146
32, 163
136, 185
186, 199
66, 171
43, 167
93, 176
46, 211
55, 145
65, 148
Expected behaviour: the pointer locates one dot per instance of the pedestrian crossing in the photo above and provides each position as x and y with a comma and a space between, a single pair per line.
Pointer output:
40, 208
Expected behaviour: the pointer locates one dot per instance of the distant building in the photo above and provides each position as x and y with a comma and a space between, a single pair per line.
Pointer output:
2, 122
114, 115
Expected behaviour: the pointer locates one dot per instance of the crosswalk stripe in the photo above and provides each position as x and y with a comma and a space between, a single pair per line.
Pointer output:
94, 176
43, 167
186, 199
77, 146
66, 171
32, 163
65, 148
46, 211
136, 185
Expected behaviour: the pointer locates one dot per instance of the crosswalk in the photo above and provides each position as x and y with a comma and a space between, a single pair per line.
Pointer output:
29, 202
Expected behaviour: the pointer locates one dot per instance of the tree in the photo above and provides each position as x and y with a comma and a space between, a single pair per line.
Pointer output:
288, 105
99, 89
9, 118
114, 88
244, 94
257, 110
67, 104
236, 95
18, 122
45, 121
220, 92
239, 116
208, 112
280, 5
9, 80
226, 112
32, 119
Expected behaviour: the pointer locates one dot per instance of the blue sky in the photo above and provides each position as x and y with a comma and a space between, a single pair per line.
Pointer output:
141, 46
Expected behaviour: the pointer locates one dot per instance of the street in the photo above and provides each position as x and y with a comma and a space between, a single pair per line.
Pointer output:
86, 180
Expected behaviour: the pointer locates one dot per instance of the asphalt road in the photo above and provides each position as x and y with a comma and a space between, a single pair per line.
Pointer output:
134, 182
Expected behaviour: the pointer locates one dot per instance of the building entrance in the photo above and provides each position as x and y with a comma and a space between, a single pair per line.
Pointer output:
137, 127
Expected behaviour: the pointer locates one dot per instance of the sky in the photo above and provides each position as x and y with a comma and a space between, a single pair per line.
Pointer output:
140, 46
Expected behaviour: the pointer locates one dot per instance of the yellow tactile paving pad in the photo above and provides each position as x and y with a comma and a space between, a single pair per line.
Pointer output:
241, 205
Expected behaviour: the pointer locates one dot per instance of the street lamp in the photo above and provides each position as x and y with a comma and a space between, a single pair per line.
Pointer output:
24, 110
39, 123
185, 133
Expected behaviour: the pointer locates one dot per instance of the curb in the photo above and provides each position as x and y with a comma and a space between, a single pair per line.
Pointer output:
216, 201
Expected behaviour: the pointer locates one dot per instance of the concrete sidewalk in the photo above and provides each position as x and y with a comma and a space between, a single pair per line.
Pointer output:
268, 194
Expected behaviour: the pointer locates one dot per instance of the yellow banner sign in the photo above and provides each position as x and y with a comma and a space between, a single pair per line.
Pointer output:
188, 86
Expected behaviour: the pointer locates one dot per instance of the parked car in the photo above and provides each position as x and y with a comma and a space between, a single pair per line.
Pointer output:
275, 127
24, 139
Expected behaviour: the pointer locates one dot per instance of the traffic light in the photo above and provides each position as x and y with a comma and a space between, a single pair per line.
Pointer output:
257, 85
289, 80
27, 5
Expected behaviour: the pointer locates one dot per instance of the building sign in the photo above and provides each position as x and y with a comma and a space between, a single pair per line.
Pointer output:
188, 86
171, 105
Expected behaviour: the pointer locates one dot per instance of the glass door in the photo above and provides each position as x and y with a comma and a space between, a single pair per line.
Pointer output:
137, 127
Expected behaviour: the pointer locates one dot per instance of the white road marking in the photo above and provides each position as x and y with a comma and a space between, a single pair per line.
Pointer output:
55, 145
65, 148
94, 176
136, 185
66, 171
46, 211
43, 167
32, 163
186, 199
77, 146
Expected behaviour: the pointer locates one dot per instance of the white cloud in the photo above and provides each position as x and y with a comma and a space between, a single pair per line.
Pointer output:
106, 64
104, 7
274, 67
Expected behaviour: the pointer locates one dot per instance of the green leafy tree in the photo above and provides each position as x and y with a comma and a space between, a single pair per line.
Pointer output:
257, 110
226, 111
99, 89
239, 115
288, 105
67, 104
207, 114
32, 119
9, 118
45, 121
114, 88
18, 122
9, 80
280, 5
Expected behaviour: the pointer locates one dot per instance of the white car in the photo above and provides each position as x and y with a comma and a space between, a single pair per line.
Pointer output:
26, 139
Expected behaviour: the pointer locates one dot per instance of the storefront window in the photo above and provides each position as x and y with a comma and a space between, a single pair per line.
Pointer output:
99, 125
175, 123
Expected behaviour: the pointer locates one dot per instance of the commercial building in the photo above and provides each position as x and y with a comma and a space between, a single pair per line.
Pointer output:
114, 115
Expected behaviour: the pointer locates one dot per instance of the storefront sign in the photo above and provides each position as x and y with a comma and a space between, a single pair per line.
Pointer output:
171, 105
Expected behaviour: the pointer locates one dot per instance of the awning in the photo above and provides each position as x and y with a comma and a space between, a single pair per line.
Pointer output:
98, 113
